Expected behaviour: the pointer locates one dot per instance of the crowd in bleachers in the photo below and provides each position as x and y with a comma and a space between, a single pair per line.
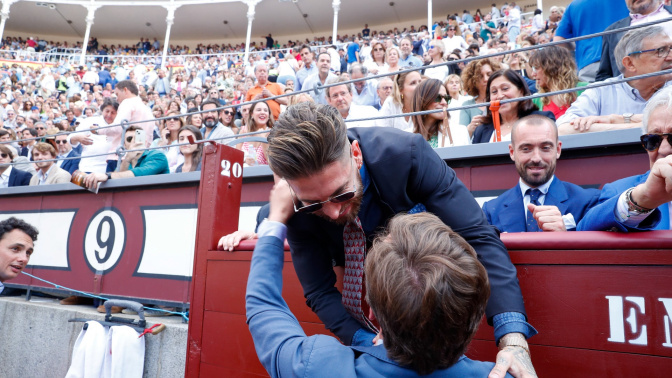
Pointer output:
39, 101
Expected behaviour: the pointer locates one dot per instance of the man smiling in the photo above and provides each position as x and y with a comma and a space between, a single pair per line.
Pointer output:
48, 171
540, 201
16, 246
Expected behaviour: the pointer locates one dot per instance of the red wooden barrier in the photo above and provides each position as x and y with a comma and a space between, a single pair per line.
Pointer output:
601, 301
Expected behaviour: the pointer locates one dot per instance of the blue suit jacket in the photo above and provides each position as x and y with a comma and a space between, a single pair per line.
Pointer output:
71, 165
19, 178
506, 212
603, 216
285, 350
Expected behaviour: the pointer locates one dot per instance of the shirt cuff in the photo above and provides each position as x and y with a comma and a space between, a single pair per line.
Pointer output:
272, 228
510, 322
568, 220
626, 217
363, 338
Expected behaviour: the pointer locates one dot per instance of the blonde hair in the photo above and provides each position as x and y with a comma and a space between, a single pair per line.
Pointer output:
560, 70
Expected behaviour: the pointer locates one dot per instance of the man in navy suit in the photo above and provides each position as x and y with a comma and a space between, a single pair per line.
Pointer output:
65, 151
347, 184
540, 201
10, 176
641, 202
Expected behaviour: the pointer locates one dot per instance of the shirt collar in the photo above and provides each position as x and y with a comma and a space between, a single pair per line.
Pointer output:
43, 176
543, 188
637, 16
6, 173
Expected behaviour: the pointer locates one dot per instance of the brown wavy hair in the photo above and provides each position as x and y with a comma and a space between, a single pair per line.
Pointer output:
471, 75
425, 286
560, 70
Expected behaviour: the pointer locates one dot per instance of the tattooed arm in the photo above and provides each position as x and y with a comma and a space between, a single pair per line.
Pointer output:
514, 357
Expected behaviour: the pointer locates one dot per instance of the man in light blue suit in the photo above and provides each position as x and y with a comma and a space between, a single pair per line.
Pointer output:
642, 202
540, 201
428, 313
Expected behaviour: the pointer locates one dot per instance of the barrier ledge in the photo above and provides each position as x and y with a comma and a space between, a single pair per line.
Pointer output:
37, 339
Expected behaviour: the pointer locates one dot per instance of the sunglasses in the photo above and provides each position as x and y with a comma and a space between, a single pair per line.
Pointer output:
442, 97
39, 128
129, 139
61, 141
4, 156
228, 112
651, 142
313, 207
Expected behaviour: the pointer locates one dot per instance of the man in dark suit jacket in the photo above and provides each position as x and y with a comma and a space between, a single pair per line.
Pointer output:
14, 177
608, 67
65, 150
560, 205
641, 202
355, 181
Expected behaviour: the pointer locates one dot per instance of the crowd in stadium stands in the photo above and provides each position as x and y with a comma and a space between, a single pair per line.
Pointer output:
37, 101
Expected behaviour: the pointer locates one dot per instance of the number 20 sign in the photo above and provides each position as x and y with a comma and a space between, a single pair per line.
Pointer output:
226, 169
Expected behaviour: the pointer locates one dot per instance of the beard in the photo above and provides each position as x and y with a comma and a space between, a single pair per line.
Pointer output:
210, 122
352, 206
536, 180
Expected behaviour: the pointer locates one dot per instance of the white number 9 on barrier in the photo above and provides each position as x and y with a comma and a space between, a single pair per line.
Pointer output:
226, 169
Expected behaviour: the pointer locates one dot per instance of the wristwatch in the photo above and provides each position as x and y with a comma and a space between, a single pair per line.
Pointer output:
633, 206
627, 117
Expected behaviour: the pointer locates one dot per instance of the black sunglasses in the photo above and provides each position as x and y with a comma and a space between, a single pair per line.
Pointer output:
228, 112
4, 156
129, 139
317, 206
442, 97
61, 141
651, 142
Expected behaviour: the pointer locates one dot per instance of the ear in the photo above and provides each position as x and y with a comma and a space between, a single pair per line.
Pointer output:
559, 149
628, 64
511, 152
356, 152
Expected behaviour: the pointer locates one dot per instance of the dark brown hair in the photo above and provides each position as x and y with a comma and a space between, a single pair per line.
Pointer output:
305, 139
251, 125
425, 95
525, 107
196, 156
428, 291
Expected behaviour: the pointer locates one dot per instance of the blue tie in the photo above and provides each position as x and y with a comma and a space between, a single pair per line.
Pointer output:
531, 225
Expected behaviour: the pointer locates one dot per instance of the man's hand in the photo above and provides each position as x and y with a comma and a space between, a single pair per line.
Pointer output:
548, 218
266, 93
230, 241
657, 189
92, 179
282, 204
516, 361
260, 96
82, 138
133, 156
583, 124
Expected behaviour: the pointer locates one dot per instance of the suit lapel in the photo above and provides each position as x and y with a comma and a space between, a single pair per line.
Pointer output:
557, 196
512, 216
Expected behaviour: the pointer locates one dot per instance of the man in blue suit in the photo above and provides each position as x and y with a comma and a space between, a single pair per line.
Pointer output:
642, 202
65, 151
443, 269
540, 201
10, 176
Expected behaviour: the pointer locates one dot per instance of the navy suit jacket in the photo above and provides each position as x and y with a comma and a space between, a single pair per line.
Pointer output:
71, 165
404, 171
602, 217
19, 178
483, 133
507, 213
608, 67
284, 349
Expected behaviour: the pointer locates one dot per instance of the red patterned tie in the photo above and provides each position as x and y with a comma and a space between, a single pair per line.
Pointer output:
354, 242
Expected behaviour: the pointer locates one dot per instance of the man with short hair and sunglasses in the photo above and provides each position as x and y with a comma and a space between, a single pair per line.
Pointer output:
68, 159
642, 202
619, 106
346, 185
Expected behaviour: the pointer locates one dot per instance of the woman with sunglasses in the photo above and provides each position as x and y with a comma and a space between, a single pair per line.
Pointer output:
192, 153
436, 53
377, 65
431, 94
506, 85
169, 136
226, 117
258, 119
401, 100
